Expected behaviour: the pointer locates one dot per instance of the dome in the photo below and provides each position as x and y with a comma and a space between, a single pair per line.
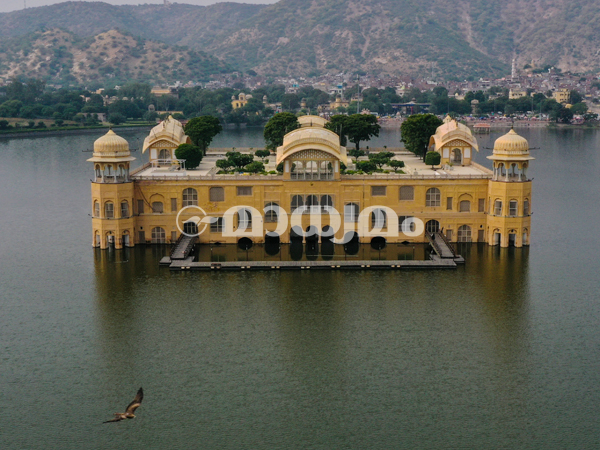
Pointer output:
111, 148
511, 143
112, 145
511, 146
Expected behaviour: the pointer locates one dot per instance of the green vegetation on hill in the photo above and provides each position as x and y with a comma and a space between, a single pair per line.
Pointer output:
66, 58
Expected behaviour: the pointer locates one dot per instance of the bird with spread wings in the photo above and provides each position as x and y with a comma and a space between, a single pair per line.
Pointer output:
128, 414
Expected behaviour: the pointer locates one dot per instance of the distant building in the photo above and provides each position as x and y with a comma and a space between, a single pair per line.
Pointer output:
241, 101
516, 93
561, 95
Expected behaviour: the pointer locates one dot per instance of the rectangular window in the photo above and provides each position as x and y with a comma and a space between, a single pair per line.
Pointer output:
480, 235
244, 190
481, 205
157, 207
449, 235
173, 236
513, 208
141, 237
124, 209
449, 203
140, 206
407, 193
526, 207
378, 191
465, 206
216, 226
173, 205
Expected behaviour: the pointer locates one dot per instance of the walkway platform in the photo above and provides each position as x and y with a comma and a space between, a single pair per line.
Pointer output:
189, 264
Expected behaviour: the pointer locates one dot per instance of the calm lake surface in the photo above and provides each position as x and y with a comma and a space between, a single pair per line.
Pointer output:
503, 353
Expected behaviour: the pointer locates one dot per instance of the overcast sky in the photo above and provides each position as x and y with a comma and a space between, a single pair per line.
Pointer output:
11, 5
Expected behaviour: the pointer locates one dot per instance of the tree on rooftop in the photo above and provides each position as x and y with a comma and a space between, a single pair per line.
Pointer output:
239, 160
262, 154
277, 127
416, 131
432, 159
381, 159
395, 164
202, 130
255, 167
192, 155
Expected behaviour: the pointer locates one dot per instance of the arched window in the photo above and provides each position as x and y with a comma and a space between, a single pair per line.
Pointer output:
158, 235
498, 208
124, 209
157, 207
216, 194
272, 212
407, 193
98, 172
351, 212
433, 197
465, 206
96, 209
526, 207
312, 201
513, 208
244, 219
432, 226
326, 202
378, 218
190, 197
464, 233
109, 210
297, 202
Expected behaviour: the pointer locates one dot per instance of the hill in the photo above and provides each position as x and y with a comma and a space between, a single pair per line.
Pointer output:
62, 56
460, 38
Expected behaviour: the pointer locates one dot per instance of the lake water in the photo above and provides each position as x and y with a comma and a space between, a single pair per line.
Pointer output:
501, 353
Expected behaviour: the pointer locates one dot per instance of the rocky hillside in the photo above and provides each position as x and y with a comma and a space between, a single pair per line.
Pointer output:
58, 55
459, 38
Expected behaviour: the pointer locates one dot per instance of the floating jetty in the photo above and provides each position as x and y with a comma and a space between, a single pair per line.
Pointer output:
434, 263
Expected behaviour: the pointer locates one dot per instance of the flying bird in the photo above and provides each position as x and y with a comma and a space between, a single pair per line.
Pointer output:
128, 414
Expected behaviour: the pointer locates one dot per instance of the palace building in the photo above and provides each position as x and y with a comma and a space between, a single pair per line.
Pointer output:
159, 200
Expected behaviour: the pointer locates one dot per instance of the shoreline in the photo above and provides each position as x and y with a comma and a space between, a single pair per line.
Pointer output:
67, 132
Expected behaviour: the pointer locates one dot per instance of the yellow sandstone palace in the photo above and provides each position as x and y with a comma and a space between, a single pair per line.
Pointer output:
157, 201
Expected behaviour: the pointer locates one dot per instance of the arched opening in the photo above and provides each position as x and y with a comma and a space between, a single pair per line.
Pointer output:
432, 226
272, 244
512, 238
190, 228
352, 245
271, 212
525, 237
110, 239
312, 202
164, 156
327, 233
457, 156
126, 242
497, 237
378, 243
96, 209
312, 234
244, 219
97, 239
326, 202
296, 234
245, 243
98, 173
